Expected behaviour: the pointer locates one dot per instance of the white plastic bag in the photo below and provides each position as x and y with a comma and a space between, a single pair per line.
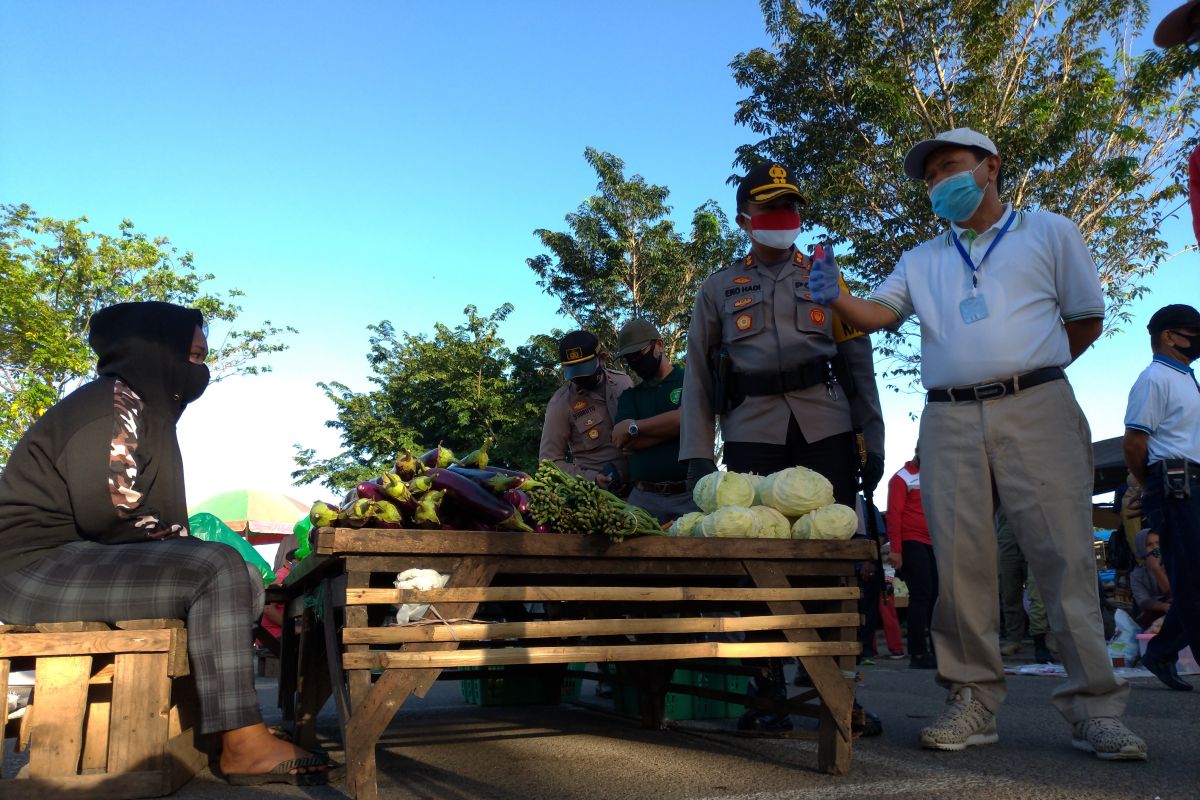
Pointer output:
1123, 647
423, 580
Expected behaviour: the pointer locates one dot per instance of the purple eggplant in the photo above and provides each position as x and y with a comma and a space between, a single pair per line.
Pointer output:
437, 457
397, 490
426, 515
408, 466
323, 515
518, 500
496, 481
370, 491
475, 500
420, 485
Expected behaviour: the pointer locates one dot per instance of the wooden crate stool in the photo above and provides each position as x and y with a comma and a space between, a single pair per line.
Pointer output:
113, 713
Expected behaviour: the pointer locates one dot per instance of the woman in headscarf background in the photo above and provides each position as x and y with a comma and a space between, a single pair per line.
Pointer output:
1148, 580
93, 524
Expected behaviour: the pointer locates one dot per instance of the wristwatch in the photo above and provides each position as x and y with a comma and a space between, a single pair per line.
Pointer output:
633, 430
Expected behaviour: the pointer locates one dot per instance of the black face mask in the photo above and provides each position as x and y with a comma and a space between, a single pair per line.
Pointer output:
195, 381
646, 366
589, 383
1192, 351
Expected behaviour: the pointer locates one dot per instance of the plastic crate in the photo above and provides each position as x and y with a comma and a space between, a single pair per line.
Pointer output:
685, 706
521, 685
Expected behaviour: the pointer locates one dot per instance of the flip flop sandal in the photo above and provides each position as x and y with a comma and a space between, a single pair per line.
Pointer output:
282, 773
282, 733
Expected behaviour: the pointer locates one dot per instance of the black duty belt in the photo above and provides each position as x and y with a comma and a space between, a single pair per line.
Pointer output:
814, 373
667, 487
993, 389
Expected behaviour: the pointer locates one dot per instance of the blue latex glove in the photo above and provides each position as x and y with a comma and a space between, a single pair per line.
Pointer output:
823, 276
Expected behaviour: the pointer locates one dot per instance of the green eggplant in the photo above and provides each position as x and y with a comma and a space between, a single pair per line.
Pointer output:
476, 459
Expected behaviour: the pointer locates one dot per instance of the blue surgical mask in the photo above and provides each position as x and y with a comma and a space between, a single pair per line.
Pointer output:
956, 198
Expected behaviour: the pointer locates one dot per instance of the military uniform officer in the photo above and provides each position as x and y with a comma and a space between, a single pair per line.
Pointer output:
579, 417
788, 380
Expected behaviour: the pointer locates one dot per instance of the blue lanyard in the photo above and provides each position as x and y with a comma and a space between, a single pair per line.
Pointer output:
967, 258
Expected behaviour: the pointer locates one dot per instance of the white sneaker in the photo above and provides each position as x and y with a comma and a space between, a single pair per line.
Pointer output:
964, 723
1108, 739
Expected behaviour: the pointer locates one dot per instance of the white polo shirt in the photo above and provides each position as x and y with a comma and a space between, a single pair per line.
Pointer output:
1165, 403
1039, 275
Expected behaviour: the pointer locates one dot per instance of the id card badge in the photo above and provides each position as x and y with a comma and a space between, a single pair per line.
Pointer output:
973, 309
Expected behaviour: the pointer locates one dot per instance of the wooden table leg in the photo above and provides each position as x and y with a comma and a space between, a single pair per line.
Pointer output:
836, 692
313, 683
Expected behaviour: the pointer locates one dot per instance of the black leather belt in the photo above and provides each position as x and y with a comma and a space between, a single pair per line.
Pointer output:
993, 389
814, 373
667, 487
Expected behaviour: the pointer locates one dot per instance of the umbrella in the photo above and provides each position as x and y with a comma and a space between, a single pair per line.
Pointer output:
248, 511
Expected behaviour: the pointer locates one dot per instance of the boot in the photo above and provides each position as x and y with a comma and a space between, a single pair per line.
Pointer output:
1041, 653
769, 684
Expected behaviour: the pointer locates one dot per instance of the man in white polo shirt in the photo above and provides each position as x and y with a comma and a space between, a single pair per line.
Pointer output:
1006, 299
1162, 450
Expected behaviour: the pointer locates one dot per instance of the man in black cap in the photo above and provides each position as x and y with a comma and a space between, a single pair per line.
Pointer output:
788, 380
649, 424
1182, 27
579, 416
1162, 450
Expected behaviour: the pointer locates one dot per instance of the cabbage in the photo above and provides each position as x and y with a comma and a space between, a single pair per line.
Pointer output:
796, 491
684, 525
828, 522
757, 480
718, 489
736, 522
772, 524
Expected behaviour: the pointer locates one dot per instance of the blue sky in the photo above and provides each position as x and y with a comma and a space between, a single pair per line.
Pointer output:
344, 164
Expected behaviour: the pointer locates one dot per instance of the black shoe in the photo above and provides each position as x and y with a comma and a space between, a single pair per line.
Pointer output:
1165, 672
762, 722
923, 661
1041, 653
864, 723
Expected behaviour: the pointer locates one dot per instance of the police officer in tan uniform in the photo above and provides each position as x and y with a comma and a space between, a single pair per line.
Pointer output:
789, 382
579, 417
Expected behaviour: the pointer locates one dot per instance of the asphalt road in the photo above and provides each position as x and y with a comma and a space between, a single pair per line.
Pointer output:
441, 748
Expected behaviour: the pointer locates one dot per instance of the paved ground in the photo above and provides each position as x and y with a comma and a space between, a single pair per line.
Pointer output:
441, 748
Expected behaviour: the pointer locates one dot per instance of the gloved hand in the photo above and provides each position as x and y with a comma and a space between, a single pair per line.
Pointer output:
697, 469
871, 473
823, 276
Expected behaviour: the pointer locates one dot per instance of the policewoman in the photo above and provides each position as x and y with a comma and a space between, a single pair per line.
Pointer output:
577, 431
1006, 300
788, 381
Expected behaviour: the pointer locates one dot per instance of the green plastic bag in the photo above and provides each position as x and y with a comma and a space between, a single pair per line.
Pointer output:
301, 530
211, 529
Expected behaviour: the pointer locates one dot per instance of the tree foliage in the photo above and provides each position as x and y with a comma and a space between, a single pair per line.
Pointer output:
622, 257
455, 388
1085, 127
55, 273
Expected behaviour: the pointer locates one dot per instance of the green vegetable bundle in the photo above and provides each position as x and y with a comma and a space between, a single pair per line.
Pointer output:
566, 504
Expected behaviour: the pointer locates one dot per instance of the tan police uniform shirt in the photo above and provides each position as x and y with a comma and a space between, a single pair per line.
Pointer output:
768, 323
581, 423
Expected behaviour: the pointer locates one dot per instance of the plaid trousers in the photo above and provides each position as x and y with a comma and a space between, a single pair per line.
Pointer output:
205, 583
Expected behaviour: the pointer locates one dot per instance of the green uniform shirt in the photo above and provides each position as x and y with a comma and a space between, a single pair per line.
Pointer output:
660, 463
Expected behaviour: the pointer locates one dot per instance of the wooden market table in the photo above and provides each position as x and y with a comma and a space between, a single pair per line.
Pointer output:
646, 602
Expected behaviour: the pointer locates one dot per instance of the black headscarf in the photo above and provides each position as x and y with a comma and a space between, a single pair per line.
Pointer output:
147, 345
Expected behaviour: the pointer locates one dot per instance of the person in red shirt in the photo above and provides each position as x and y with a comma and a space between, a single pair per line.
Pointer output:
912, 556
1182, 27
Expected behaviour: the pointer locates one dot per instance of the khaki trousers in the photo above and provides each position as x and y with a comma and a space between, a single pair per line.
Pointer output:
1034, 450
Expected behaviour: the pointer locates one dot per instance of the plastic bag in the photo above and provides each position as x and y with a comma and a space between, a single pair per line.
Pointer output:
301, 530
209, 528
422, 579
1123, 647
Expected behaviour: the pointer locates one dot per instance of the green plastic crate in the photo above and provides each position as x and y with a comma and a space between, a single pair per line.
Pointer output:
685, 706
521, 685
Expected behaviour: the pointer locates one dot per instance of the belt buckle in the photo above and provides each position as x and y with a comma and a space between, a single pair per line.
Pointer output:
989, 391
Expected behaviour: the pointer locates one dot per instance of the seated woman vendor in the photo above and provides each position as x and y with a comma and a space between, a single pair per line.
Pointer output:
93, 527
1148, 581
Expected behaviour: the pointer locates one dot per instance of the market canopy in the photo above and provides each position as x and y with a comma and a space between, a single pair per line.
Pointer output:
248, 511
1108, 463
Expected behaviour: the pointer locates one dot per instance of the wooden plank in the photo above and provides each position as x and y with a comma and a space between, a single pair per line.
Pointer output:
140, 705
177, 653
185, 755
147, 624
57, 729
71, 627
104, 675
96, 727
86, 787
624, 594
438, 632
17, 629
88, 642
511, 565
367, 541
592, 653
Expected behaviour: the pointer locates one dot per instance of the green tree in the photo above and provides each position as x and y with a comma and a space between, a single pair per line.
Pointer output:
623, 258
1085, 127
54, 274
455, 388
